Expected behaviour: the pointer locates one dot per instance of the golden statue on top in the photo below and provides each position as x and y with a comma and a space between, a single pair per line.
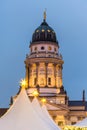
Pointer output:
45, 14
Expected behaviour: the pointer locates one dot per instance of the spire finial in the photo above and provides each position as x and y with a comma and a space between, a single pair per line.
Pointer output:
45, 14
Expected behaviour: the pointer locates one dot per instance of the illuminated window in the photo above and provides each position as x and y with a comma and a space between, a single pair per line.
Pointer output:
48, 30
35, 48
42, 48
49, 81
37, 30
43, 30
62, 102
49, 48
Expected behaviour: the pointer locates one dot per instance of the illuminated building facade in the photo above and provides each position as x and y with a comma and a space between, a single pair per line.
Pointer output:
44, 72
44, 63
44, 66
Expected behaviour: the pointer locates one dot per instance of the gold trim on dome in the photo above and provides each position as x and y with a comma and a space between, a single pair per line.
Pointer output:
48, 30
37, 30
43, 30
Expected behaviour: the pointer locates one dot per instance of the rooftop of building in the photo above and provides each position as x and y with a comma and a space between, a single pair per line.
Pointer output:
44, 33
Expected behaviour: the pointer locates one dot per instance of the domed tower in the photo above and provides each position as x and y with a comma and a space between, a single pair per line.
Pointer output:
44, 63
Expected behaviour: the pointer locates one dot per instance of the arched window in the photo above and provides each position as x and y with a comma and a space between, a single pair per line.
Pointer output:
49, 81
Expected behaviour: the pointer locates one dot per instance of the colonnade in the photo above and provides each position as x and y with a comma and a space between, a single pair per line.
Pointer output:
56, 69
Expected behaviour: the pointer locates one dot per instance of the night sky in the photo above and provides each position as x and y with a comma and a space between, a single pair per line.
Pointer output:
19, 19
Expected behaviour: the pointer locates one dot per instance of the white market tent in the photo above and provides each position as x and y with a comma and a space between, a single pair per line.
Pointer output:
43, 113
82, 123
48, 116
22, 116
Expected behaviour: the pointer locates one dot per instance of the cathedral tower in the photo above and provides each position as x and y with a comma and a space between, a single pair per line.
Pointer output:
44, 63
44, 66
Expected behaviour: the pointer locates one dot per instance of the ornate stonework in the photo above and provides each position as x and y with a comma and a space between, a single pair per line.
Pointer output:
44, 66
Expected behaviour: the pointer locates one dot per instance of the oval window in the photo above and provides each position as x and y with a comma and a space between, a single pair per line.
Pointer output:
42, 48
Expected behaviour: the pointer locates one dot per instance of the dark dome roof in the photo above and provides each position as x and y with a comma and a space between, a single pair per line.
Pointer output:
44, 33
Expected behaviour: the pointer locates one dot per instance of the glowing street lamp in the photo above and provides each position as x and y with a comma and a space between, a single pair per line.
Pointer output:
43, 100
23, 83
35, 93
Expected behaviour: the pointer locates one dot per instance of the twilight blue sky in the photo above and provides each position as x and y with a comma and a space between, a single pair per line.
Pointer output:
18, 20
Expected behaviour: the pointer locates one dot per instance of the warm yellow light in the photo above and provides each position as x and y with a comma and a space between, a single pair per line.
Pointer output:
23, 83
43, 30
48, 30
37, 30
43, 100
35, 93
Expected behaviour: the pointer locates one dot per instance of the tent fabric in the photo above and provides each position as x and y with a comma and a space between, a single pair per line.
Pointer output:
45, 111
22, 116
44, 114
47, 115
82, 123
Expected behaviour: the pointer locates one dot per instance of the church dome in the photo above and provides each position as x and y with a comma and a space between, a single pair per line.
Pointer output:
44, 33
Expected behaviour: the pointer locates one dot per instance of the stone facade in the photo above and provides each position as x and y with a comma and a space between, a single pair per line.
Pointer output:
43, 67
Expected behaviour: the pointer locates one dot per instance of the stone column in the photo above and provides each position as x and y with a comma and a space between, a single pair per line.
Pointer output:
27, 75
55, 72
46, 65
60, 74
37, 65
29, 66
